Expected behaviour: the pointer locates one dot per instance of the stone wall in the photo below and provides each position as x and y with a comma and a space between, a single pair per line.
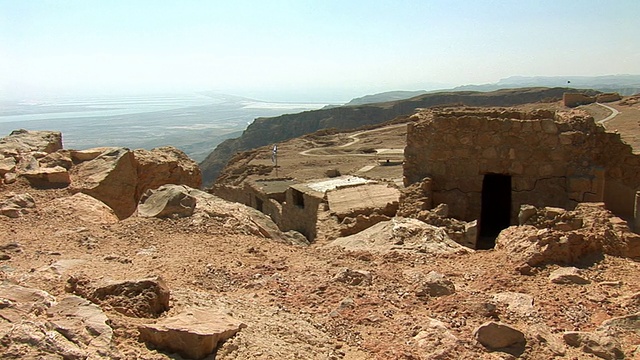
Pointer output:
553, 159
576, 99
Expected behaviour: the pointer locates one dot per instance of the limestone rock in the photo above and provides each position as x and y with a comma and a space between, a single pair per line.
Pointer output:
136, 298
353, 277
518, 303
432, 284
167, 201
402, 234
111, 178
10, 178
629, 322
533, 246
78, 156
526, 212
83, 208
165, 165
7, 165
61, 158
544, 335
495, 335
16, 204
436, 341
45, 178
602, 346
568, 275
435, 284
34, 325
193, 334
566, 237
82, 322
30, 141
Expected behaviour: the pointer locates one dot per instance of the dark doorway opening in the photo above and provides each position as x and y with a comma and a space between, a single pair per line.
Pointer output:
495, 214
259, 204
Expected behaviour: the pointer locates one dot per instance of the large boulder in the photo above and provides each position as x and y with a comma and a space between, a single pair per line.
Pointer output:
167, 201
193, 334
23, 141
165, 165
45, 178
402, 234
111, 178
81, 208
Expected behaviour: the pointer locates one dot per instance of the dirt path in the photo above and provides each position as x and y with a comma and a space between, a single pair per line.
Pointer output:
613, 114
355, 138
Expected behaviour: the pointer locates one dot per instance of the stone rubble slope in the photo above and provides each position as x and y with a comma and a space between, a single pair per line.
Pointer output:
78, 282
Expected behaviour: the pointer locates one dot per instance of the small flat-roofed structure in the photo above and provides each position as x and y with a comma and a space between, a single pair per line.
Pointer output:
363, 199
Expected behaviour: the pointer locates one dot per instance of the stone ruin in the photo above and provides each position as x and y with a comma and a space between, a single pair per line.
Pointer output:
486, 163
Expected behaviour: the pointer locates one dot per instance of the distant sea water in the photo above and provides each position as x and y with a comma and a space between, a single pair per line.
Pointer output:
194, 123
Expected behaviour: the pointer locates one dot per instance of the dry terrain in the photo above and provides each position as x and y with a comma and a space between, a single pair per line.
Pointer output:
291, 298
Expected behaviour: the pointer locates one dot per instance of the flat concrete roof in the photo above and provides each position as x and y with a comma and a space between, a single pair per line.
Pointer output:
334, 183
375, 196
278, 186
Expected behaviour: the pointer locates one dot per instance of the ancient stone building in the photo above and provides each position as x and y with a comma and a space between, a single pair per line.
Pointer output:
308, 207
485, 163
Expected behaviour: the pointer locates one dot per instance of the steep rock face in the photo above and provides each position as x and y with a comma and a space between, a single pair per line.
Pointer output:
165, 165
264, 131
111, 178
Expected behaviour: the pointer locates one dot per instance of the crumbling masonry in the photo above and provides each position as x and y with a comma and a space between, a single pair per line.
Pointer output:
485, 163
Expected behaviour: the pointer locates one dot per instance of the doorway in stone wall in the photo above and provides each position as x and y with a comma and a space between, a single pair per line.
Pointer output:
495, 214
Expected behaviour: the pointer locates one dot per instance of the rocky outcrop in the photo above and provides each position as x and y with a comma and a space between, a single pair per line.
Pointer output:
193, 334
598, 344
264, 131
565, 237
35, 325
119, 177
27, 141
165, 165
44, 177
16, 204
116, 176
402, 234
137, 298
111, 178
81, 208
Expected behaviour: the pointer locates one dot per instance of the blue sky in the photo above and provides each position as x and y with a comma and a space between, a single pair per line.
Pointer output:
306, 50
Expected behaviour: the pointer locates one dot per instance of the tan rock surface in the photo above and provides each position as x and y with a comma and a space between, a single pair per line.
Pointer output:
111, 178
194, 334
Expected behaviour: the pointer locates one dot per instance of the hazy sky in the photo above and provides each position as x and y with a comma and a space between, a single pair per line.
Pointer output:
306, 50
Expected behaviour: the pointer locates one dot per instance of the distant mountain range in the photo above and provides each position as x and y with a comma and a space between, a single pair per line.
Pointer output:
622, 84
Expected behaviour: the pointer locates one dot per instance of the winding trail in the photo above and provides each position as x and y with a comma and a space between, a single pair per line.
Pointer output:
355, 139
614, 113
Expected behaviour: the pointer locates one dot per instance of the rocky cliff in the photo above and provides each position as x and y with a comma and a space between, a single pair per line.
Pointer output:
264, 131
